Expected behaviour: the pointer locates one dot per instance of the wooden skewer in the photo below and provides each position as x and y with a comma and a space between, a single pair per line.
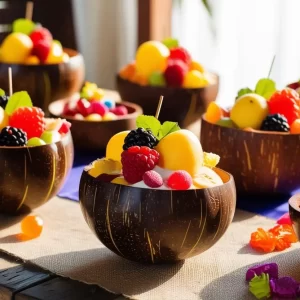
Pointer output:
161, 99
29, 10
10, 81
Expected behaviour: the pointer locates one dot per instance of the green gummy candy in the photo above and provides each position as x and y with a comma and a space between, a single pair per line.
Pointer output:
171, 43
23, 26
157, 79
35, 142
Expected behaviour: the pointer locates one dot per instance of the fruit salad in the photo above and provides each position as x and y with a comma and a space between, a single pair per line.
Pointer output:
165, 63
93, 106
264, 108
31, 44
157, 156
22, 124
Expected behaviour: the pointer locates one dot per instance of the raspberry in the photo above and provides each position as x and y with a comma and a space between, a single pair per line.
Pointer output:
136, 161
152, 179
65, 127
42, 50
140, 137
285, 102
11, 136
174, 73
180, 180
181, 54
120, 110
41, 34
29, 119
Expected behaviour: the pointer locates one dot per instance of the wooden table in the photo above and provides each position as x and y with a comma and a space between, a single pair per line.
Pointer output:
22, 281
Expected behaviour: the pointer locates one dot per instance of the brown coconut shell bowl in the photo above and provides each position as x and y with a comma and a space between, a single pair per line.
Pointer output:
294, 211
260, 162
31, 176
94, 135
157, 226
46, 83
184, 106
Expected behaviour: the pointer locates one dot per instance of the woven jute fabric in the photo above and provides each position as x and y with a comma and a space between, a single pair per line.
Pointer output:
68, 248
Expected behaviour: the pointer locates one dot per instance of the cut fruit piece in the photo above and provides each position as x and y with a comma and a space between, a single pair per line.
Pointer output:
211, 159
213, 113
207, 178
105, 166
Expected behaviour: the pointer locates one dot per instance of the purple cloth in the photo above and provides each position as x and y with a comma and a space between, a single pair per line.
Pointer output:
269, 206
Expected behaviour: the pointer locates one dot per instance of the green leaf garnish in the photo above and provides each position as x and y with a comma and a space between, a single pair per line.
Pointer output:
158, 130
19, 99
23, 26
243, 92
265, 87
167, 128
2, 93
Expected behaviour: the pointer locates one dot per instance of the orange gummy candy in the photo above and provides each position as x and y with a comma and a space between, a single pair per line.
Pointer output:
295, 127
263, 240
32, 226
281, 244
213, 113
284, 232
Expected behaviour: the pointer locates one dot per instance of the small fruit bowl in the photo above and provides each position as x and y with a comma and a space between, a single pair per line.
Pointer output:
294, 212
258, 139
164, 68
40, 65
95, 118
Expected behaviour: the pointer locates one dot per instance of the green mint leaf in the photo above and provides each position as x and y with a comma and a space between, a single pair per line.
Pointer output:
167, 128
2, 93
149, 122
23, 26
243, 92
265, 87
19, 99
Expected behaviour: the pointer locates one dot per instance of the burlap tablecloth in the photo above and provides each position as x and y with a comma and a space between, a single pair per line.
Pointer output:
68, 248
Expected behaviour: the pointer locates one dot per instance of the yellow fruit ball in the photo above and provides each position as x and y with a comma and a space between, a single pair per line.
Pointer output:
114, 147
180, 150
109, 117
56, 55
120, 180
194, 65
3, 118
194, 80
151, 56
93, 117
32, 60
16, 48
249, 111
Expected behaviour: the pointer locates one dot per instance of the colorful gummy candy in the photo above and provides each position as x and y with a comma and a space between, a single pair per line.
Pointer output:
32, 226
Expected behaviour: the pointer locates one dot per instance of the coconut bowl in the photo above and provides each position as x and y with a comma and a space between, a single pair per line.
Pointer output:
294, 211
94, 135
31, 176
181, 105
157, 226
46, 83
260, 162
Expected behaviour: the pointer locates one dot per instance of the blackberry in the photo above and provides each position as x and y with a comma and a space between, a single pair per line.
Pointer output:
140, 137
3, 101
276, 122
11, 136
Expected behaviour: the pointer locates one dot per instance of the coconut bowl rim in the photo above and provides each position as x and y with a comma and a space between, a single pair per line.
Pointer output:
137, 112
215, 76
253, 131
294, 202
74, 55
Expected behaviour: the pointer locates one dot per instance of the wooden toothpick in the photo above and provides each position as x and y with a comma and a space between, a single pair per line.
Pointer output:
10, 84
271, 68
161, 99
29, 10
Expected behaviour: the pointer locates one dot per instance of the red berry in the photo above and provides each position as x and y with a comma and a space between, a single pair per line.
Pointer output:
180, 180
65, 127
285, 102
41, 34
294, 85
174, 73
120, 110
42, 50
83, 107
29, 119
98, 108
181, 54
136, 161
153, 179
70, 109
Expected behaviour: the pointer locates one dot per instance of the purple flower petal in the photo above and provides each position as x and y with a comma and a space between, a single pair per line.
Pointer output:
271, 269
284, 287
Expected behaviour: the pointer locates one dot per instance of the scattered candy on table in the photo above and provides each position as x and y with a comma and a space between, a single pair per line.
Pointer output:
31, 44
165, 63
264, 282
22, 124
93, 106
32, 226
